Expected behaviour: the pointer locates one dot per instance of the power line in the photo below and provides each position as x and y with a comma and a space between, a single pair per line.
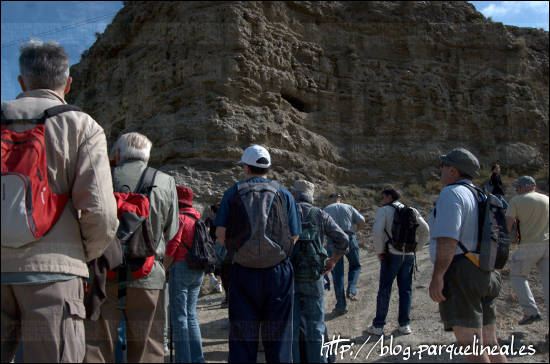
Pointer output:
61, 29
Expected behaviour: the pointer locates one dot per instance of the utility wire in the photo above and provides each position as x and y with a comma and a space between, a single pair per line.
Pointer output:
61, 29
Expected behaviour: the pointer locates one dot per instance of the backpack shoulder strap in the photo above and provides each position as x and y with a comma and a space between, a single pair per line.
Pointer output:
48, 113
146, 182
313, 212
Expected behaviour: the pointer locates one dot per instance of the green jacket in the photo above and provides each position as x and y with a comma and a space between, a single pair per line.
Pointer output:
164, 215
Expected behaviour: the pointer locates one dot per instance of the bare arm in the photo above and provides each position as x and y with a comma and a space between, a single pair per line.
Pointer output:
360, 226
445, 252
220, 234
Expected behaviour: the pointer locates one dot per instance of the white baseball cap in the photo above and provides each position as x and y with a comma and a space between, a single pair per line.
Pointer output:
252, 154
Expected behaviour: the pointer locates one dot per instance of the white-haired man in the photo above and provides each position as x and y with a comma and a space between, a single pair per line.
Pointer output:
42, 288
143, 308
530, 209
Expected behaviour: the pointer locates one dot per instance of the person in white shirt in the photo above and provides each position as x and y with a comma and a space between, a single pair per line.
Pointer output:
394, 263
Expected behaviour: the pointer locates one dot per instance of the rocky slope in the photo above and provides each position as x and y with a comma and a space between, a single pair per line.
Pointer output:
346, 94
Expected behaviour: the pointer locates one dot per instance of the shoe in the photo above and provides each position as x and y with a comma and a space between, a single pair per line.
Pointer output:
219, 288
526, 320
166, 348
405, 330
352, 297
224, 303
339, 311
379, 331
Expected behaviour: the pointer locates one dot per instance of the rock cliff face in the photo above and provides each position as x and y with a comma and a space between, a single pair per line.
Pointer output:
341, 93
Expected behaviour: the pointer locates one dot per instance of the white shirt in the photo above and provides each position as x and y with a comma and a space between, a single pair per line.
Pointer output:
384, 220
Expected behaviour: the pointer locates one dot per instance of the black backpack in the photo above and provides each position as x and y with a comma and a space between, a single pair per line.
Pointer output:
493, 242
201, 255
403, 229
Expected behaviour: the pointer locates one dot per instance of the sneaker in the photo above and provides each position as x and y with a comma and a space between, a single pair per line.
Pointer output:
526, 320
379, 331
352, 297
405, 330
213, 281
219, 288
339, 311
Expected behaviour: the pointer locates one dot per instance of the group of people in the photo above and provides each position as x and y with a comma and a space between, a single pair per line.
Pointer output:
273, 260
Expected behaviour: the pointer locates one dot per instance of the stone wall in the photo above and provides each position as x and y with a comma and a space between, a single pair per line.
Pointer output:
345, 94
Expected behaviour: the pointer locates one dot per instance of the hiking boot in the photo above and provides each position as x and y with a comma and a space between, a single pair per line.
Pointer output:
405, 330
379, 331
352, 297
339, 312
526, 320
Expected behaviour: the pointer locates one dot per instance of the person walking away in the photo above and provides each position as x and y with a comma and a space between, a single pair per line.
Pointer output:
143, 302
310, 264
346, 216
394, 262
185, 284
530, 209
466, 294
258, 224
42, 278
497, 186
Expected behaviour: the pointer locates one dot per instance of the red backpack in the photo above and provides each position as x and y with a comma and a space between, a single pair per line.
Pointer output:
135, 232
29, 207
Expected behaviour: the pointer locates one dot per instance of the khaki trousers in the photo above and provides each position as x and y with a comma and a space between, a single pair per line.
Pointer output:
144, 327
47, 319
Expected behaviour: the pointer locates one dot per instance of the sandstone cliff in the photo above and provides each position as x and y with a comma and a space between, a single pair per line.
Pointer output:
346, 94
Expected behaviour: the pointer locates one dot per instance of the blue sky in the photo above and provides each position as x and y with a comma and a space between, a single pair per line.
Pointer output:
74, 24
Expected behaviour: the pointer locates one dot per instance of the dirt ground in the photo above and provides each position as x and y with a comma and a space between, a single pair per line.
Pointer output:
428, 342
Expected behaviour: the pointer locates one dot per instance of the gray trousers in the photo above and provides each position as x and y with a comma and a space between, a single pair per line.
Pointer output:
48, 319
523, 260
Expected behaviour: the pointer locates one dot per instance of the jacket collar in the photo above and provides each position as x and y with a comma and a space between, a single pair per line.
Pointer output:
42, 93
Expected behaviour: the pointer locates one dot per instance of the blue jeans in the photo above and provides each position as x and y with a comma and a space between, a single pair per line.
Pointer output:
392, 266
184, 290
338, 272
261, 296
309, 312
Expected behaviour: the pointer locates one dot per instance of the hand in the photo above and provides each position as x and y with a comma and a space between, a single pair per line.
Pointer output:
436, 289
381, 256
329, 264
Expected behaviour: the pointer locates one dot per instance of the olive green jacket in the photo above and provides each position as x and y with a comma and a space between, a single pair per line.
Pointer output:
164, 215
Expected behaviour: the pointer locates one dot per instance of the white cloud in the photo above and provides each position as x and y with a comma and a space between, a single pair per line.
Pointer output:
507, 8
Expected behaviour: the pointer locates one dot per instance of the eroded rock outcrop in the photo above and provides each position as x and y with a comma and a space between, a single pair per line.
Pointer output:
341, 93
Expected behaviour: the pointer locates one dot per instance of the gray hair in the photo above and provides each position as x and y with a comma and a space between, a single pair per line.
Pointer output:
133, 146
43, 65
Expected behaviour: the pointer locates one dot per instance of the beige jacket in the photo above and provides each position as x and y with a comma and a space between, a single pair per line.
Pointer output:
78, 164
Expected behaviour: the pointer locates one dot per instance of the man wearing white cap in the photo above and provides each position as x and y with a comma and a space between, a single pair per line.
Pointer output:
258, 223
530, 209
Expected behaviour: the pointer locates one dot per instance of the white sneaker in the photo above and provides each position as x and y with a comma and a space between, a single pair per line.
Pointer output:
379, 331
219, 288
405, 330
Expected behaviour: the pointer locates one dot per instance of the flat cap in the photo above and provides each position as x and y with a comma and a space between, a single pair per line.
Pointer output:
463, 160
